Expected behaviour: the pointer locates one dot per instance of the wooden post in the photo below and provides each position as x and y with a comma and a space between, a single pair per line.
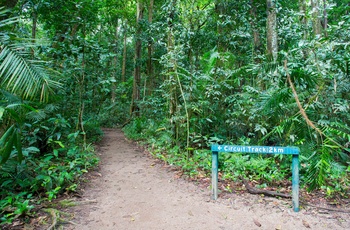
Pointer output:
215, 174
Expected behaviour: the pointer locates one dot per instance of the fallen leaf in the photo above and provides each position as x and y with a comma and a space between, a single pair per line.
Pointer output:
16, 223
256, 222
278, 227
306, 224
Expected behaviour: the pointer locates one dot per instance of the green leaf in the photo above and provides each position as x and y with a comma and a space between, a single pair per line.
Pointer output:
5, 152
18, 145
6, 135
55, 152
2, 110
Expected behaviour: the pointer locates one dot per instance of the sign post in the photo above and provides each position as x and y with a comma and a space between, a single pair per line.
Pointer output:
215, 173
295, 182
294, 151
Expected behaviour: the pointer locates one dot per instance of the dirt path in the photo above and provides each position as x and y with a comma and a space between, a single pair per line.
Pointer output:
132, 192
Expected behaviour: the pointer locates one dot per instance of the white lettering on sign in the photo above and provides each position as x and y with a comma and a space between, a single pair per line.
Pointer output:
261, 149
256, 149
228, 148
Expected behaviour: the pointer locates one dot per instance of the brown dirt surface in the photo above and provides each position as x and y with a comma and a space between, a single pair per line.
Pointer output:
134, 191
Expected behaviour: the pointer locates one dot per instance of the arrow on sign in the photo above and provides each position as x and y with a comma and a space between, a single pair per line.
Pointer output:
219, 148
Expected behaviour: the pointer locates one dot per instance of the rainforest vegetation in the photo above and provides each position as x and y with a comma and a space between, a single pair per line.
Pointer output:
178, 76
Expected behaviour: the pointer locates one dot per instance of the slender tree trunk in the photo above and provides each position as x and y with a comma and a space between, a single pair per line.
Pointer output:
150, 50
172, 81
34, 26
325, 18
137, 71
316, 22
80, 124
303, 18
256, 35
220, 10
114, 66
124, 52
9, 3
272, 45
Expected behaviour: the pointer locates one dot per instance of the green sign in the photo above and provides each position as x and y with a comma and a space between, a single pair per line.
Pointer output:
294, 151
255, 149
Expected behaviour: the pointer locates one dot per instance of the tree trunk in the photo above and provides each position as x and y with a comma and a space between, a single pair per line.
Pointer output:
253, 23
220, 10
325, 18
135, 110
114, 72
272, 45
124, 53
303, 18
150, 50
80, 124
173, 90
316, 22
34, 26
8, 3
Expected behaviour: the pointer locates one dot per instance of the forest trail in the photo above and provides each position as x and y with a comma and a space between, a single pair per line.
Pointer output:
134, 191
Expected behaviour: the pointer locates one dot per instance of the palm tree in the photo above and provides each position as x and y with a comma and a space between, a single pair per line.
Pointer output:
20, 79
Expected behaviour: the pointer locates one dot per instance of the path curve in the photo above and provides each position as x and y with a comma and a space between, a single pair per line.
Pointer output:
133, 191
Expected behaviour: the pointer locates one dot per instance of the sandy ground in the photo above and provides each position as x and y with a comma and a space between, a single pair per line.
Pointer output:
133, 191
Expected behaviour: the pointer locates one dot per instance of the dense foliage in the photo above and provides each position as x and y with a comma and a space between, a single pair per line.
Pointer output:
179, 75
217, 84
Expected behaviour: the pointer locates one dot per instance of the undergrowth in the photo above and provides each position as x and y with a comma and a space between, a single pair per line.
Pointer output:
267, 170
48, 169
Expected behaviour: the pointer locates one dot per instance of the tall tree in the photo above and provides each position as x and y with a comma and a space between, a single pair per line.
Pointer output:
135, 109
254, 25
303, 18
271, 23
150, 49
170, 49
316, 21
115, 61
325, 18
125, 36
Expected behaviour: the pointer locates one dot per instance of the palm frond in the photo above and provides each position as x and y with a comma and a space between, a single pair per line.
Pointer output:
7, 21
42, 113
275, 101
18, 76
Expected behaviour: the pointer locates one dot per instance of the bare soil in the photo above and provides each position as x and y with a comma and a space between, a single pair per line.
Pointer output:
134, 191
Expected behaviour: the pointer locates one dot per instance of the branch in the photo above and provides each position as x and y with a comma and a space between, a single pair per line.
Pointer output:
253, 190
327, 208
301, 109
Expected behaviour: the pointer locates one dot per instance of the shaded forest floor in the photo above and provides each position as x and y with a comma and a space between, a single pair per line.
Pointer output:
132, 190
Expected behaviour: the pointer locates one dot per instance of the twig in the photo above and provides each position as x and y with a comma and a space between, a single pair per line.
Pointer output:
327, 208
253, 190
54, 218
